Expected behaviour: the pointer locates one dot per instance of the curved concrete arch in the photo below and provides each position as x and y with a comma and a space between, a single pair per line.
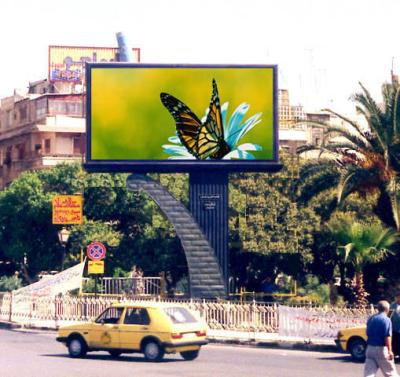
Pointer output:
205, 276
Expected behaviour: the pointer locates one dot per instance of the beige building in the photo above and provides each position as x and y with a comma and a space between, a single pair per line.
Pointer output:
295, 125
40, 129
292, 131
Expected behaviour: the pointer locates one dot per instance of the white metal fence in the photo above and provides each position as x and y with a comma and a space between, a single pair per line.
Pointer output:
253, 317
137, 286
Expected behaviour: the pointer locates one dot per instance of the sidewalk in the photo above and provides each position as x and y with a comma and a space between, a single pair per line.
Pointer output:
243, 338
271, 340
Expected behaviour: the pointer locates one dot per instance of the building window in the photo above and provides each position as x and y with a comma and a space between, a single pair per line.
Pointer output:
41, 108
21, 151
8, 158
23, 113
47, 145
9, 118
77, 145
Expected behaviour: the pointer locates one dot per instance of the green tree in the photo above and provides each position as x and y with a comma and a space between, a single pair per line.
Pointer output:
269, 231
27, 236
360, 244
130, 223
355, 159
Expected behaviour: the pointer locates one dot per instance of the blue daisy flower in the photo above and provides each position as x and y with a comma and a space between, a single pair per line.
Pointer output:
234, 130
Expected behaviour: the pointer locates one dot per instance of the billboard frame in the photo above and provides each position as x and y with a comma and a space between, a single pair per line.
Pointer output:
180, 166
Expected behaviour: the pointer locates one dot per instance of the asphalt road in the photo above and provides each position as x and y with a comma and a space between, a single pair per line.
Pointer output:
37, 354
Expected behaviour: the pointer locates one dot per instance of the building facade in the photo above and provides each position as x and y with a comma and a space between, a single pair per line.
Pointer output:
293, 131
39, 131
46, 124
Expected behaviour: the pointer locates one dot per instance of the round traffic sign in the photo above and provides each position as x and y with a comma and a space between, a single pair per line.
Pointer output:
96, 251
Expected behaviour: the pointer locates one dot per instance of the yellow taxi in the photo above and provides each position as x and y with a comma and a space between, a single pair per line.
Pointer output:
353, 340
150, 328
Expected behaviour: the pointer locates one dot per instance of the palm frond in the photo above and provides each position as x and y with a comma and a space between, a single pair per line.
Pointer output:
307, 148
373, 114
354, 124
394, 201
396, 116
343, 189
316, 183
360, 141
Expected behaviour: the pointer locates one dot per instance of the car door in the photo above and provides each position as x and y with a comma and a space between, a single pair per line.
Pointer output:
105, 332
134, 328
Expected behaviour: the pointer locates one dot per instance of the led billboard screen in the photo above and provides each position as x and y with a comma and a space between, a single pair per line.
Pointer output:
168, 118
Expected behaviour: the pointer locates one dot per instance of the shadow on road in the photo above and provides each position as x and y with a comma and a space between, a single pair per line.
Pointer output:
126, 358
343, 359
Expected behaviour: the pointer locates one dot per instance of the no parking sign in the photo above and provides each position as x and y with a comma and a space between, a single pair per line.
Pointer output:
96, 251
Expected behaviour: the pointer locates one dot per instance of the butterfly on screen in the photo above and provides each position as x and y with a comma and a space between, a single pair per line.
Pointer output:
202, 139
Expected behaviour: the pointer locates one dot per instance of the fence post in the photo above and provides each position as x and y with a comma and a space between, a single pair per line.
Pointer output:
252, 316
162, 284
55, 311
11, 307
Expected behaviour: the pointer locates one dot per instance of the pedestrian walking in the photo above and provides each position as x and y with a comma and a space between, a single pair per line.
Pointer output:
379, 353
395, 307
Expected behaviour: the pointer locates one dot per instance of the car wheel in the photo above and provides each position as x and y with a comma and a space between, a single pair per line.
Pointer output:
153, 351
190, 355
114, 353
76, 347
357, 349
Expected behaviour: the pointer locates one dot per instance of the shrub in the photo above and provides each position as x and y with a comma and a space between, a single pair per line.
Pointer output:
10, 283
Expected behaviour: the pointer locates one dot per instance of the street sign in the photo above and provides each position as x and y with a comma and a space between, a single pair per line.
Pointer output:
96, 251
96, 267
67, 209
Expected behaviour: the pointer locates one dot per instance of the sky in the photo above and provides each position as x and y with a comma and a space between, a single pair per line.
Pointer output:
323, 48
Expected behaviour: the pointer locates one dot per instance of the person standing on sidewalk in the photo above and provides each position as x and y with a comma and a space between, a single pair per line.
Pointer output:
396, 324
379, 353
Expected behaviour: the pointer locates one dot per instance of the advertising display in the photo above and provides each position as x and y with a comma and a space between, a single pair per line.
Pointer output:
67, 63
52, 285
67, 209
164, 118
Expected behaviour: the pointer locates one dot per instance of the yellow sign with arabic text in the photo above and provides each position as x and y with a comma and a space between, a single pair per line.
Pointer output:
67, 63
67, 209
96, 267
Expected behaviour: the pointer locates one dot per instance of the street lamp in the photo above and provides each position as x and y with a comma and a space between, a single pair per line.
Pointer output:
63, 236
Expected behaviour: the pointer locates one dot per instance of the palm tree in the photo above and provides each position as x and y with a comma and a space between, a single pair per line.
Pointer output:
360, 159
360, 244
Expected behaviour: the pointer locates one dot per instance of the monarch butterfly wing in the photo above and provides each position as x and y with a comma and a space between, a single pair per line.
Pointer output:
187, 124
207, 142
214, 118
211, 135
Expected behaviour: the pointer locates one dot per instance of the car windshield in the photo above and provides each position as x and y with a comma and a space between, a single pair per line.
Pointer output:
180, 315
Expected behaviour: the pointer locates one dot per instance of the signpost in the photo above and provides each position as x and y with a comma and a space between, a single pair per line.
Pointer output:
96, 252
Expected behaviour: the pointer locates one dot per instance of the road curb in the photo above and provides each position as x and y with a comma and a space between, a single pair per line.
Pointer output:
14, 325
303, 346
277, 344
9, 325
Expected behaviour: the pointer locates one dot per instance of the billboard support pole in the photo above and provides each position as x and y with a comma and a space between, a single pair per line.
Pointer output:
209, 203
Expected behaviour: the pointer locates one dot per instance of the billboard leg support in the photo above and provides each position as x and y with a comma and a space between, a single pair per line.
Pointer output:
205, 277
209, 202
